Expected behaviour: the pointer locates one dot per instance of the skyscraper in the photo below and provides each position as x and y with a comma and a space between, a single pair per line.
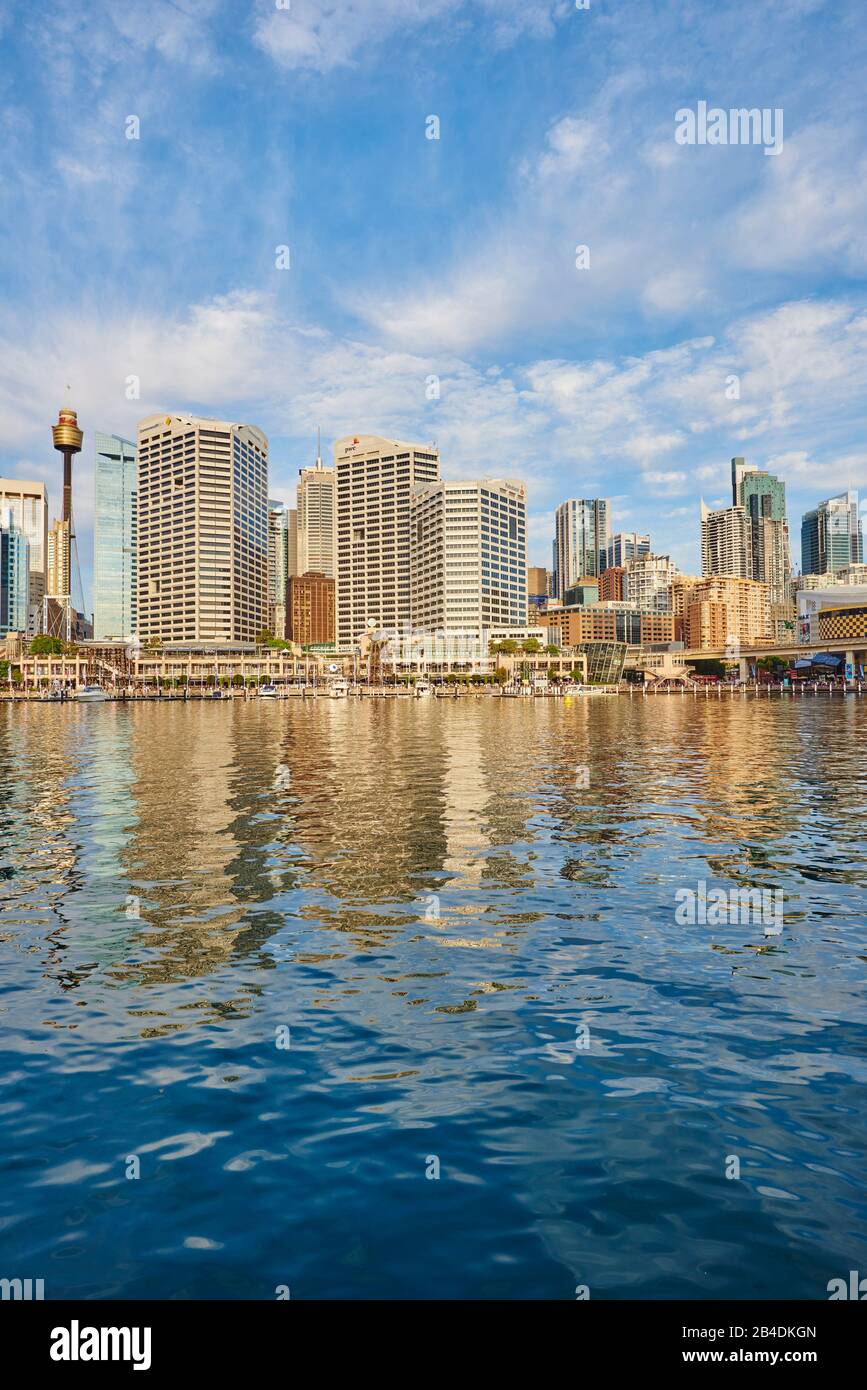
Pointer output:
202, 530
374, 478
581, 537
115, 537
468, 556
278, 566
14, 575
28, 504
625, 546
763, 498
316, 518
726, 543
292, 542
832, 535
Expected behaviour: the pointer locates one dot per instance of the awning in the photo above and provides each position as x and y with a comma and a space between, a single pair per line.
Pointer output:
826, 659
804, 664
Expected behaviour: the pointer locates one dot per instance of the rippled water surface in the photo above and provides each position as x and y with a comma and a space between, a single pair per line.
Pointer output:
425, 896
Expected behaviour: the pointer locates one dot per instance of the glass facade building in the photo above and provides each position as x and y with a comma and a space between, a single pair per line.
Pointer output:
115, 536
14, 575
605, 661
625, 547
832, 536
582, 533
28, 504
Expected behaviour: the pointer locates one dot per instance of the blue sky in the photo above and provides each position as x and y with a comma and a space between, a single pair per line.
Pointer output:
262, 127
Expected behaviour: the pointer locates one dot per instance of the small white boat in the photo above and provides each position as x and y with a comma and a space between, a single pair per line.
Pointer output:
267, 691
339, 689
91, 693
422, 688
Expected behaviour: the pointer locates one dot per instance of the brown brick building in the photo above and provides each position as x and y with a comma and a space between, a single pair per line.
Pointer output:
576, 625
310, 609
656, 628
611, 584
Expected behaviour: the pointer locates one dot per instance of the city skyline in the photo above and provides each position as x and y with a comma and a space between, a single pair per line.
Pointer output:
749, 539
688, 339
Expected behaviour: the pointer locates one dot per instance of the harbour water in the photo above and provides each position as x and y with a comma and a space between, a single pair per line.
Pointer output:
390, 999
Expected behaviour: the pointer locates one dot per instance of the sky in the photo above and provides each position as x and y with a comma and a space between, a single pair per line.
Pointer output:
433, 288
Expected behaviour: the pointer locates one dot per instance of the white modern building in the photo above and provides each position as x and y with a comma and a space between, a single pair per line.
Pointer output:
646, 583
468, 556
202, 530
374, 478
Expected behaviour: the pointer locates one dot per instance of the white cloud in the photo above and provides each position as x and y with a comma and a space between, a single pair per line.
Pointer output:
324, 35
627, 426
812, 205
572, 143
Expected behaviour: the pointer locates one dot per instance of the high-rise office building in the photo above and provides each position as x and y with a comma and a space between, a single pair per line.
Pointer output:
14, 574
202, 530
373, 479
740, 468
316, 519
468, 556
278, 566
115, 537
625, 546
763, 498
726, 542
832, 535
582, 532
292, 541
28, 504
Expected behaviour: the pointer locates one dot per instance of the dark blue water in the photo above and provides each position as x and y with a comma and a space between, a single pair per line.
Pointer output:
430, 901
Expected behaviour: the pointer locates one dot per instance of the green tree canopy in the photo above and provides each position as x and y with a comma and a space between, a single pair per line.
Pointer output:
46, 646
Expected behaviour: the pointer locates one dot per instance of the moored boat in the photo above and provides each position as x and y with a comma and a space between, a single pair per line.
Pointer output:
91, 694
